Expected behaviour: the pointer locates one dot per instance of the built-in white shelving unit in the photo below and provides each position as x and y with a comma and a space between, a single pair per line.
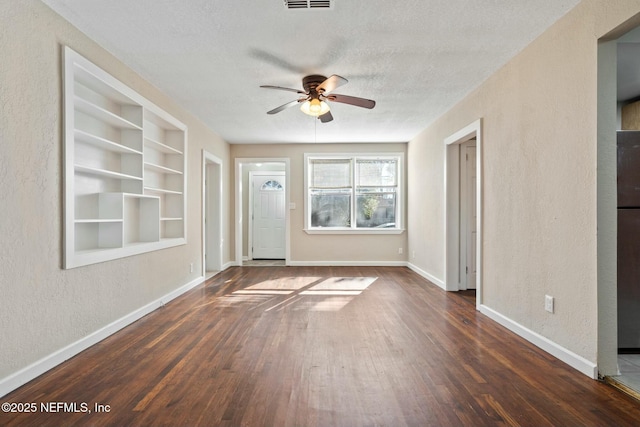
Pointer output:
125, 175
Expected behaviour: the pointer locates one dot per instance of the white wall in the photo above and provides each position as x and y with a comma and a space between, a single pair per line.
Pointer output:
43, 308
540, 234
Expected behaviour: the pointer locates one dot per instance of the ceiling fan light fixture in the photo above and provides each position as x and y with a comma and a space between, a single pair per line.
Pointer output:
315, 107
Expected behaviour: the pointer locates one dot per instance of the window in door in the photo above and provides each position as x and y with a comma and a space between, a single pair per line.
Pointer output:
271, 185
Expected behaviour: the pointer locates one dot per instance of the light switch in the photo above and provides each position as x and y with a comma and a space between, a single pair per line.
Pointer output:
292, 205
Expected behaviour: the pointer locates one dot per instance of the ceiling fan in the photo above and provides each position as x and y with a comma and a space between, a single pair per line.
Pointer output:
317, 90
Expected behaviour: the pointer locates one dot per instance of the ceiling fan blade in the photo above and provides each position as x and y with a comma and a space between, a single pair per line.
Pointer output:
326, 117
352, 100
284, 88
331, 83
285, 106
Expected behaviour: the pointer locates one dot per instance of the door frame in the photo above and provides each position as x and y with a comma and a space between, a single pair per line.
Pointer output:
239, 220
253, 174
607, 212
215, 191
452, 207
465, 213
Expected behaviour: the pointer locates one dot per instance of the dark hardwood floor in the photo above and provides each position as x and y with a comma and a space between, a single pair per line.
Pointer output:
306, 346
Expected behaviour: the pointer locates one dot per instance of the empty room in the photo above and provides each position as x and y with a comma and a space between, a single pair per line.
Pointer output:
320, 213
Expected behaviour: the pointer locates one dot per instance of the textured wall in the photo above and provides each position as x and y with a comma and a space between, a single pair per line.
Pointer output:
42, 307
539, 117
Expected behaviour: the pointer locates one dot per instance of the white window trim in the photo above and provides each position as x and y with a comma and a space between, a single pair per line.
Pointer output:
352, 230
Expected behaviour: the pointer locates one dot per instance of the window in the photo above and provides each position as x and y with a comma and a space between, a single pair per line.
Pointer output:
271, 185
353, 193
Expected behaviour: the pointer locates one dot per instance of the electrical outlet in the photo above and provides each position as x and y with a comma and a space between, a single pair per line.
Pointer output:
400, 251
548, 303
191, 267
413, 254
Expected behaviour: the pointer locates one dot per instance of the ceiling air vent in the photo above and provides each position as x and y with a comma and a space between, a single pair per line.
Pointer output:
308, 4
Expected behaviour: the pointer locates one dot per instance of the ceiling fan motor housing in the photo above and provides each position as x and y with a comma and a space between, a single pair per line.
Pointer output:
310, 83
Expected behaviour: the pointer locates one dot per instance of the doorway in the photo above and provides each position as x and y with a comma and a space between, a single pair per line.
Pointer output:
266, 215
468, 216
243, 236
463, 210
618, 88
212, 241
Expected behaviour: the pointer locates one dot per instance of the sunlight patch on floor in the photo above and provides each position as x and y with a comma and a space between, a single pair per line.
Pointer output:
331, 303
289, 283
335, 292
304, 293
344, 284
263, 292
236, 300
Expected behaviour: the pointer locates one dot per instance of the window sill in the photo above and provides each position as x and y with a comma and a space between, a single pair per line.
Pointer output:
352, 231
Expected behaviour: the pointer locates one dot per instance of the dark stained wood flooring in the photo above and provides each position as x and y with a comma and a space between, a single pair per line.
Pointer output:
316, 346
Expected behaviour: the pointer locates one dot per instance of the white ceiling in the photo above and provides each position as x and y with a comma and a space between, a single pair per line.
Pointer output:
416, 58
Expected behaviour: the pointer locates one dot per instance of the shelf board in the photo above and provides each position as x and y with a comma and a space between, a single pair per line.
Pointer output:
100, 113
161, 190
151, 143
171, 239
94, 251
161, 169
97, 84
103, 143
106, 173
139, 243
139, 196
96, 221
162, 120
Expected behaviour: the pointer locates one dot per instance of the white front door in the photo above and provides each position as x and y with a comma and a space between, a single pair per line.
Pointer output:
469, 213
268, 222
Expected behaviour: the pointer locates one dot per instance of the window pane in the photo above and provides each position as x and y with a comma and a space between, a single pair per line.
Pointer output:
330, 173
377, 173
376, 210
271, 186
330, 210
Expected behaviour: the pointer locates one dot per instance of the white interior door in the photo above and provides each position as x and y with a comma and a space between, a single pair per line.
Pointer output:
268, 216
468, 235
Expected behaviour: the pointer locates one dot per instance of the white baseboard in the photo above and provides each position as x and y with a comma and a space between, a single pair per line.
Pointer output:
347, 263
41, 366
433, 279
229, 264
577, 362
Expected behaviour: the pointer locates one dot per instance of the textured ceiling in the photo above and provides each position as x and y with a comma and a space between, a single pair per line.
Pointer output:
416, 58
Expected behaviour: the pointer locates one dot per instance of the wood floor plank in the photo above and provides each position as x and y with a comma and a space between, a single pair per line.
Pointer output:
315, 346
